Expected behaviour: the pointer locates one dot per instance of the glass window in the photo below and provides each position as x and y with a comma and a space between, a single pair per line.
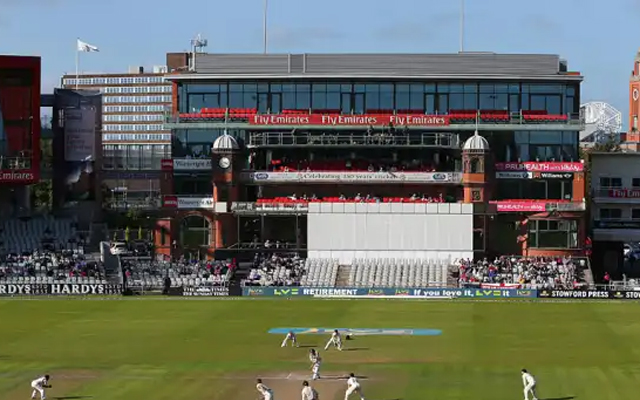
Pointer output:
610, 213
553, 234
635, 182
386, 97
607, 182
635, 213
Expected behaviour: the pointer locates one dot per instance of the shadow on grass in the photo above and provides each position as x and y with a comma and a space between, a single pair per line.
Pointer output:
356, 349
306, 346
72, 397
560, 398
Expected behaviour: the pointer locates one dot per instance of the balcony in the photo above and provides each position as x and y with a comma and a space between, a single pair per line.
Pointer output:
292, 139
305, 119
616, 229
351, 177
616, 195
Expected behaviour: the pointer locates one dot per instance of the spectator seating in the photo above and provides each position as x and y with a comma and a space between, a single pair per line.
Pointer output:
320, 273
39, 233
363, 199
398, 273
345, 166
50, 267
150, 274
529, 273
276, 270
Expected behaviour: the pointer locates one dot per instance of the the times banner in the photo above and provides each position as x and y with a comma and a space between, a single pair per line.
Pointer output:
463, 293
205, 291
59, 289
589, 294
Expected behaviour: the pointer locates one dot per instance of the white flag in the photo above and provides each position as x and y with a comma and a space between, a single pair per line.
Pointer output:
86, 47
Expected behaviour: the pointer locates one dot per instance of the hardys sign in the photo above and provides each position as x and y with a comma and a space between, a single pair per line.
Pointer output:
395, 292
54, 289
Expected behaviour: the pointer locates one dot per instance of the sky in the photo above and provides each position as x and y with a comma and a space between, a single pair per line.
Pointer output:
596, 37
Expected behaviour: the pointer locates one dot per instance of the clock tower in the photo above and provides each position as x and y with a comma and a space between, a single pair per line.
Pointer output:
225, 162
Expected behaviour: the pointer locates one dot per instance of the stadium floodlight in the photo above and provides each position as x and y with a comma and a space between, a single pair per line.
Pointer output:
197, 46
602, 121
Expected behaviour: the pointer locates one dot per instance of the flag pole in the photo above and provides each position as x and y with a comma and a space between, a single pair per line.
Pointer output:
264, 25
461, 26
77, 63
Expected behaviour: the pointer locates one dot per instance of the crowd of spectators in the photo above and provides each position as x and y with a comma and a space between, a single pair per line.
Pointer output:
148, 272
276, 270
528, 272
49, 266
286, 165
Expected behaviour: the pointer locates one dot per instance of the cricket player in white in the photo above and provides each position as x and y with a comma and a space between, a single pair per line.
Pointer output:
529, 383
267, 394
308, 393
290, 336
39, 385
335, 340
353, 386
316, 360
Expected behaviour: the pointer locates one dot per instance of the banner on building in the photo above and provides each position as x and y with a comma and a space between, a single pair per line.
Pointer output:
183, 203
468, 293
79, 134
537, 206
350, 120
540, 166
352, 177
54, 289
514, 175
186, 164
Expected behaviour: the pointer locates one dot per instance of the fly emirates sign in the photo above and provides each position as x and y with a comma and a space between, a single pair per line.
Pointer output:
351, 120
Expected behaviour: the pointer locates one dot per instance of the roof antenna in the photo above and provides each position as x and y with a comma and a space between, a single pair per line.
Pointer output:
197, 46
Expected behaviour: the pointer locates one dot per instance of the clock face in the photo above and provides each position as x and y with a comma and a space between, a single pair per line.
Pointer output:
224, 163
636, 94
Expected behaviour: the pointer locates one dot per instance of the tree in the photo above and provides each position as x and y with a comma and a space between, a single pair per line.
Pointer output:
43, 195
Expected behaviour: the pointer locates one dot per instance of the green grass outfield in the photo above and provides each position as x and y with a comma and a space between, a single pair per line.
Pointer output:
152, 349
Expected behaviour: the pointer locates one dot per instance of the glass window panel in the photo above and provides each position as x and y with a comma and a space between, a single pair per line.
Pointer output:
386, 99
250, 100
487, 101
471, 88
487, 88
417, 101
346, 88
456, 88
235, 100
538, 102
443, 87
333, 88
443, 103
276, 87
430, 103
456, 101
554, 104
502, 88
470, 101
417, 88
430, 88
333, 100
403, 100
514, 88
319, 101
288, 100
501, 101
373, 99
402, 87
288, 88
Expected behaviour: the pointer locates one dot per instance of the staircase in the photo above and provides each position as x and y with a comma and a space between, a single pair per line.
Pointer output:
344, 272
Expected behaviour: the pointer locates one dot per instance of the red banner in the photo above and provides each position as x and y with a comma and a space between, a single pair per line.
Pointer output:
170, 202
358, 120
166, 164
17, 176
541, 166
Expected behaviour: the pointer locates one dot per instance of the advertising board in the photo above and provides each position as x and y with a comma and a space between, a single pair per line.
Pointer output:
55, 289
589, 294
468, 293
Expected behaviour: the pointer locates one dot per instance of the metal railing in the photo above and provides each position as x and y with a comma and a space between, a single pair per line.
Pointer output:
426, 139
514, 118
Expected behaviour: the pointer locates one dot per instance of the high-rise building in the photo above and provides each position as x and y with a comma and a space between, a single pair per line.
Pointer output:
134, 103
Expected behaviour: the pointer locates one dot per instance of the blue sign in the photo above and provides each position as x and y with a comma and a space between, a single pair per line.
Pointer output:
467, 293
